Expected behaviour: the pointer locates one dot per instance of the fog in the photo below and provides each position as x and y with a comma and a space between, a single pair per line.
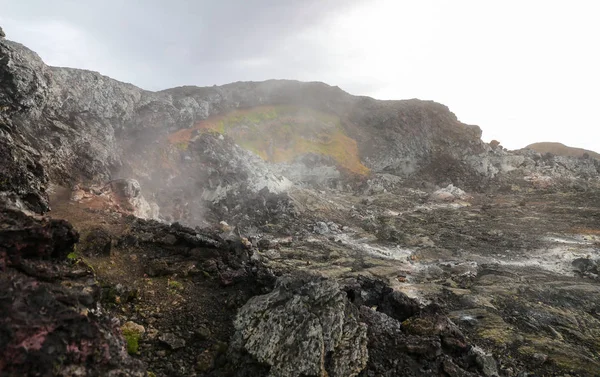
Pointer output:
523, 71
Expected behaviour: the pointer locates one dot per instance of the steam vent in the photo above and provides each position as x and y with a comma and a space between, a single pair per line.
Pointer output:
283, 229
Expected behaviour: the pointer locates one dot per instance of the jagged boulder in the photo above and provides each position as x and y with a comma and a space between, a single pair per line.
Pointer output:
129, 193
449, 194
128, 188
98, 242
303, 328
24, 237
2, 35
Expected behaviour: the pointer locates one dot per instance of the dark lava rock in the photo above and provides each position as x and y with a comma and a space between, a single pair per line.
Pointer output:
424, 345
405, 339
23, 237
398, 305
584, 265
172, 341
49, 318
46, 328
22, 178
485, 362
229, 260
97, 243
263, 244
374, 292
158, 268
169, 239
390, 233
202, 333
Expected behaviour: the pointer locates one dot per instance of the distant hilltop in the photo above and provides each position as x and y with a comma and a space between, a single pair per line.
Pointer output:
561, 150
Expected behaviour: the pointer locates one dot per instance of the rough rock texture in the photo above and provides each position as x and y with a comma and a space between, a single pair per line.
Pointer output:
514, 261
528, 168
61, 316
98, 242
50, 321
311, 327
23, 237
130, 192
81, 125
69, 125
562, 150
213, 176
303, 329
39, 137
406, 339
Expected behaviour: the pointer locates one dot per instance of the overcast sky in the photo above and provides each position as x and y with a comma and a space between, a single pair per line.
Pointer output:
523, 70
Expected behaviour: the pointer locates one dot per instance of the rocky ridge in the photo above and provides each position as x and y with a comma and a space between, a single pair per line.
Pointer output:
289, 259
77, 125
562, 150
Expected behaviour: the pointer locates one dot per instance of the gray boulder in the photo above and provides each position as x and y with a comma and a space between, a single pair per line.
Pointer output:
321, 228
303, 328
171, 341
2, 35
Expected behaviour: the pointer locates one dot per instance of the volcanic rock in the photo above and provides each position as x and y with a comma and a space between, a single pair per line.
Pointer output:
303, 328
98, 242
172, 341
49, 315
272, 159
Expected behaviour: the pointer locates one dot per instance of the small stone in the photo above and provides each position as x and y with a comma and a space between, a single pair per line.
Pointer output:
255, 257
247, 244
272, 254
152, 333
333, 227
202, 332
220, 347
539, 358
133, 328
169, 239
205, 361
77, 195
263, 244
127, 188
225, 227
485, 362
321, 228
158, 268
172, 341
146, 237
584, 265
210, 266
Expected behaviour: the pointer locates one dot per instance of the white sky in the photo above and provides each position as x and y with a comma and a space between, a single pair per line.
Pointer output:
524, 71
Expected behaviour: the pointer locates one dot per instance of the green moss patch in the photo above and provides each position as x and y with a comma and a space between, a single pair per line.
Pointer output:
132, 332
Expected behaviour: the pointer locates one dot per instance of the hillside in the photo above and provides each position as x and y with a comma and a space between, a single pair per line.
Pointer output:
561, 150
281, 229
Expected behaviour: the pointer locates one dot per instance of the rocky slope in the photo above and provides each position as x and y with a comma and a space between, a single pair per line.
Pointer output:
281, 228
562, 150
